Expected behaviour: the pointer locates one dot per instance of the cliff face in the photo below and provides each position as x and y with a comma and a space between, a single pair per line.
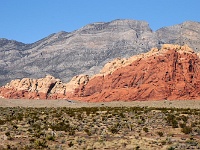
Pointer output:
43, 88
65, 55
171, 72
88, 49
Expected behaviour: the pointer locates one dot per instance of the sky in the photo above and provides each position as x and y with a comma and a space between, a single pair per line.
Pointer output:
28, 21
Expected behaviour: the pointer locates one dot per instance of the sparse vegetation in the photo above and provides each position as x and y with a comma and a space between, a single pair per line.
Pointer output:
186, 129
98, 127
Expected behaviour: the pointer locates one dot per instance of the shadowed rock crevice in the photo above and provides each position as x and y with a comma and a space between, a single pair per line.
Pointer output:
50, 88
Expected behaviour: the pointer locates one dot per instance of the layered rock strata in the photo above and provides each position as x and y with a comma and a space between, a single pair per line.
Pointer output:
43, 88
169, 73
88, 49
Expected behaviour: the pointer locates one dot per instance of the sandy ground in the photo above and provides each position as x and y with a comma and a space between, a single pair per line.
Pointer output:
193, 104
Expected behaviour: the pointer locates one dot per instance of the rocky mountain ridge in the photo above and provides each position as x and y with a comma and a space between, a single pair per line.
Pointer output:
88, 49
171, 73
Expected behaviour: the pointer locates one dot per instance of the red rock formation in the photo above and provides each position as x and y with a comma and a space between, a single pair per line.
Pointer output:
170, 73
43, 88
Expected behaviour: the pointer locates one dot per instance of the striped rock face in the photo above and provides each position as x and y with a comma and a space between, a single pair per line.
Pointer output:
169, 73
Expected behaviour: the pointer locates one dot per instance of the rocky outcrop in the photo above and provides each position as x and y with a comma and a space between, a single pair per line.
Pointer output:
43, 88
169, 73
88, 49
117, 63
65, 55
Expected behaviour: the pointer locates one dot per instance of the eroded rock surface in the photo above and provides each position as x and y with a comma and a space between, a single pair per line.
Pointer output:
88, 49
169, 73
43, 88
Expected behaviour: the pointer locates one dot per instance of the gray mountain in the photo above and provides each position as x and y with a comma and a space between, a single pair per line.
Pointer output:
86, 50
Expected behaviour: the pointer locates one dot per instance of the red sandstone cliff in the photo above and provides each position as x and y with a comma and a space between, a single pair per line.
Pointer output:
169, 73
43, 88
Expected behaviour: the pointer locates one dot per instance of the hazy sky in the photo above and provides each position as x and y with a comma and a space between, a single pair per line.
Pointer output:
30, 20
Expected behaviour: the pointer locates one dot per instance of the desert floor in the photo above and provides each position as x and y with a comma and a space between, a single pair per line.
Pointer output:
70, 124
193, 104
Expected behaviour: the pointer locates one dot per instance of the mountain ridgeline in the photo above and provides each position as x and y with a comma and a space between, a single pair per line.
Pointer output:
88, 49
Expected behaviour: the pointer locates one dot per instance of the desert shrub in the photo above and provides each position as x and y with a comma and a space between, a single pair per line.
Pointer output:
51, 138
115, 128
19, 116
15, 126
137, 147
71, 132
40, 144
122, 115
186, 130
160, 133
8, 147
198, 131
38, 134
182, 125
61, 126
163, 142
174, 124
171, 148
36, 126
79, 116
32, 140
7, 133
88, 112
171, 120
2, 122
88, 132
70, 144
71, 114
145, 129
194, 124
184, 118
192, 142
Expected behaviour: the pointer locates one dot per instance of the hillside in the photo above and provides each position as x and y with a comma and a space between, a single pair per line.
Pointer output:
88, 49
168, 73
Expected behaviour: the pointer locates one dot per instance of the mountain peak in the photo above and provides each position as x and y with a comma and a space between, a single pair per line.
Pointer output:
120, 24
86, 50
